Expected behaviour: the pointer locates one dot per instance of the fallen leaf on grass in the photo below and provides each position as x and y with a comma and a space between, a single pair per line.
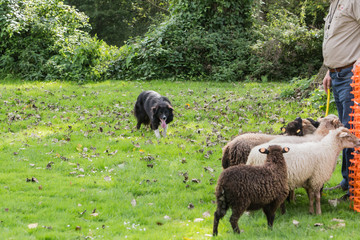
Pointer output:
318, 224
209, 169
133, 202
107, 178
33, 225
339, 225
32, 180
198, 219
48, 166
79, 147
296, 223
191, 206
333, 202
167, 217
94, 214
337, 220
206, 214
194, 180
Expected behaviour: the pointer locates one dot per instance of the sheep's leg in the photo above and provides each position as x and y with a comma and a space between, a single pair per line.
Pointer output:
236, 214
220, 212
317, 202
269, 211
311, 200
283, 208
292, 195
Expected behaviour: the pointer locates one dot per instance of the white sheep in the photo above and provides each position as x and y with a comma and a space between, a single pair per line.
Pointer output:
311, 164
237, 151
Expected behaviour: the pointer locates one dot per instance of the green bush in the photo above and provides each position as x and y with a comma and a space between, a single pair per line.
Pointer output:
200, 39
285, 47
46, 39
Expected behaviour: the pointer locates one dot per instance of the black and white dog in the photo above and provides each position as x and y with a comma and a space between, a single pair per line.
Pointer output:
154, 109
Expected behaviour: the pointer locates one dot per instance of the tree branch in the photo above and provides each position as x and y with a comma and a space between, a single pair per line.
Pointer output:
154, 4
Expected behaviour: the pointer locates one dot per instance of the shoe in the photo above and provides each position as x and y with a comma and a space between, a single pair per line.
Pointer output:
345, 197
333, 188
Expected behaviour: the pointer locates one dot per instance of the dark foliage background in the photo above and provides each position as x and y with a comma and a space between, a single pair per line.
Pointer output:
218, 40
115, 21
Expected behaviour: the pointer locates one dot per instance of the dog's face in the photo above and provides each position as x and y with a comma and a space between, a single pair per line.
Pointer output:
163, 112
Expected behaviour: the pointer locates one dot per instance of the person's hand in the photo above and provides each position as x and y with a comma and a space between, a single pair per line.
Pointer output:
327, 81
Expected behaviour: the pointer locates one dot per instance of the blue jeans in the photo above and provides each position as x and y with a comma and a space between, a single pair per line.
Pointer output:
340, 83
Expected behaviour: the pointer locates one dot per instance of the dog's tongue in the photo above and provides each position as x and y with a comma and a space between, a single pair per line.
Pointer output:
163, 123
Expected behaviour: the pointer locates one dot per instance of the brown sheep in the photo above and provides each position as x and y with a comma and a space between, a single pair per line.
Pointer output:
245, 187
236, 151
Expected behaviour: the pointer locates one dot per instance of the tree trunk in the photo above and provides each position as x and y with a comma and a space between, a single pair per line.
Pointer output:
319, 78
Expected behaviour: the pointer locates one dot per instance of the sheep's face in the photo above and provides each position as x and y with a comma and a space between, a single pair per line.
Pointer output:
331, 123
294, 128
348, 139
308, 127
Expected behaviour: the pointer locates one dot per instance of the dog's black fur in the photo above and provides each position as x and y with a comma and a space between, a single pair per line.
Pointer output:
154, 109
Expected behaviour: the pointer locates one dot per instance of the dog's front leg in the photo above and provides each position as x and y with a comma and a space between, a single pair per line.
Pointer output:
164, 132
157, 133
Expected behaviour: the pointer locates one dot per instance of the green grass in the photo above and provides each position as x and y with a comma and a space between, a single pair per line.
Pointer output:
102, 163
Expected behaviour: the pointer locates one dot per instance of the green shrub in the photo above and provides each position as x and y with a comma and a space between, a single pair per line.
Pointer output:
201, 39
285, 47
46, 39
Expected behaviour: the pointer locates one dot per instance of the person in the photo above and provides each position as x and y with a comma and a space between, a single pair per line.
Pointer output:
341, 53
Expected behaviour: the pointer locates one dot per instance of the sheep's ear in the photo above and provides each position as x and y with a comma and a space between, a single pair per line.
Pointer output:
285, 149
343, 134
283, 129
337, 123
264, 150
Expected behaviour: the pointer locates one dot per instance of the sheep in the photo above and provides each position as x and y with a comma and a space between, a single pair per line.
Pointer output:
293, 127
300, 127
311, 164
325, 125
236, 151
244, 187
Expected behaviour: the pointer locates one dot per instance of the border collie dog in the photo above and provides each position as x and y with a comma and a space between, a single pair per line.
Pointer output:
154, 109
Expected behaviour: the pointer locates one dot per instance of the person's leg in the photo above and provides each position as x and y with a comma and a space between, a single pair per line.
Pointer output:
343, 98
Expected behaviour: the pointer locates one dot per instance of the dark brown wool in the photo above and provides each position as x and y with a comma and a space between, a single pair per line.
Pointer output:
245, 187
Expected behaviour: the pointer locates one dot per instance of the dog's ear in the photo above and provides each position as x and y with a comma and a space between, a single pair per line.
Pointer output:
170, 107
154, 109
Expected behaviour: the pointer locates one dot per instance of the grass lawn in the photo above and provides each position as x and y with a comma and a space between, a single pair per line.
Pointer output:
75, 167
